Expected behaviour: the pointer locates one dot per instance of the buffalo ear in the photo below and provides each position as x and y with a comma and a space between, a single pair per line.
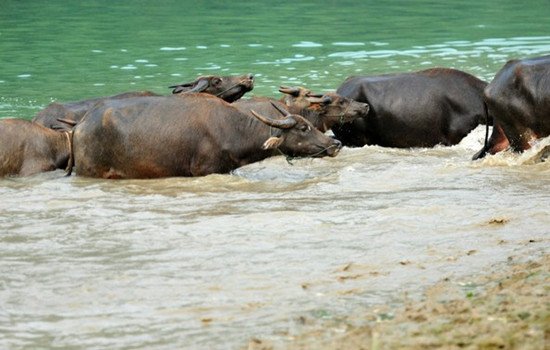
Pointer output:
273, 142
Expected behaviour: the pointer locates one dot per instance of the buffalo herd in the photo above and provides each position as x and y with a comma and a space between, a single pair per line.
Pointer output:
205, 127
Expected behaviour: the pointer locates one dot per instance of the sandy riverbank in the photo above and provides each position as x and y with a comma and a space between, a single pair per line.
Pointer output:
504, 309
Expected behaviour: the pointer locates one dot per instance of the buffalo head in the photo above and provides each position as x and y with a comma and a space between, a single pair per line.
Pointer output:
329, 108
228, 88
296, 136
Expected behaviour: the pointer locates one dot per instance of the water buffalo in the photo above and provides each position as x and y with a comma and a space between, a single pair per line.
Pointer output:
518, 100
64, 116
229, 88
418, 109
72, 112
28, 148
189, 135
323, 111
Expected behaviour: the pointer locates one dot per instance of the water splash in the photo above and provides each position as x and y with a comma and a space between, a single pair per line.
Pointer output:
538, 154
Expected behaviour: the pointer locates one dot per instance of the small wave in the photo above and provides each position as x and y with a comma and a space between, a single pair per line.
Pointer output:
498, 49
307, 44
211, 66
296, 58
379, 43
474, 140
172, 48
345, 43
539, 153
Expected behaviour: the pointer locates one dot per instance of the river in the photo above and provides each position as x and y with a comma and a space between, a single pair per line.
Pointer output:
210, 262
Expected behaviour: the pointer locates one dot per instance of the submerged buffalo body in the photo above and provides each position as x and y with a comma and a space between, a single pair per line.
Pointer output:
418, 109
66, 115
323, 111
27, 148
190, 135
518, 100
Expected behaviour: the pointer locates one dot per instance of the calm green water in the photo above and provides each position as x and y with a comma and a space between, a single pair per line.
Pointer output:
59, 50
209, 263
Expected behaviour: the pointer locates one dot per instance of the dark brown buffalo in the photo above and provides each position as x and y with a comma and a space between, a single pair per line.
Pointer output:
27, 148
323, 111
518, 100
229, 88
72, 112
64, 116
438, 106
188, 135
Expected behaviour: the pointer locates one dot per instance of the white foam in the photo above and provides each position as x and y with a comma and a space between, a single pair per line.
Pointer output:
539, 153
172, 48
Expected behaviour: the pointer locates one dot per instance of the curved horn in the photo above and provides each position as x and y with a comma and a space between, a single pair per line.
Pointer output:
176, 88
281, 110
201, 85
311, 94
66, 121
286, 123
323, 99
181, 87
294, 91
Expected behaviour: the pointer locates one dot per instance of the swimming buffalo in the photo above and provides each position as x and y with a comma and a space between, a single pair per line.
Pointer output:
28, 148
518, 100
418, 109
229, 88
66, 115
323, 111
187, 135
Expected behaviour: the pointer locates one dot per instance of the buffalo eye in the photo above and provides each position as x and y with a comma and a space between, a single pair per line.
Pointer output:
304, 128
216, 81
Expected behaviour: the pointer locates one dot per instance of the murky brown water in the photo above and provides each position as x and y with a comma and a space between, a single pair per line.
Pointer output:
209, 262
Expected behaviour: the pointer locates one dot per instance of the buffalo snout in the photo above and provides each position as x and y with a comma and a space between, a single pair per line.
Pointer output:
334, 148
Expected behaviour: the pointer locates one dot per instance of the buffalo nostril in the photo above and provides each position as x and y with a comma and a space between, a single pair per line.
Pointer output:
338, 143
250, 76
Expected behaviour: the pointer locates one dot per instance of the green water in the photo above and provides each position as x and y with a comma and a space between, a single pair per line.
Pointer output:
68, 50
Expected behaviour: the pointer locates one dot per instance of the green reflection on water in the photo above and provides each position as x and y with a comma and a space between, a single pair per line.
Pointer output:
69, 51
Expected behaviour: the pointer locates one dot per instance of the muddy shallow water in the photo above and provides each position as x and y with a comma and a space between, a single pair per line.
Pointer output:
210, 262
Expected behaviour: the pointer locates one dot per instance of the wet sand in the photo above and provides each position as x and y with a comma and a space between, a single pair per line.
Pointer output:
508, 308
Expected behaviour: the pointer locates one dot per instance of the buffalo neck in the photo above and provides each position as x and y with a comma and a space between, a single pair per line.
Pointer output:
249, 136
61, 148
